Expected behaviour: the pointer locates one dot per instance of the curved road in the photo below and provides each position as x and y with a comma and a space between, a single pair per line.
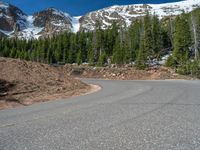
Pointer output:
124, 115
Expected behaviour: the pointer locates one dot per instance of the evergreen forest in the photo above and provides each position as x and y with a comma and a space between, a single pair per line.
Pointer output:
145, 40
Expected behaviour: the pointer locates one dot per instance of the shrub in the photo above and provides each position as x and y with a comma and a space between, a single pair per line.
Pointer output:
171, 62
190, 68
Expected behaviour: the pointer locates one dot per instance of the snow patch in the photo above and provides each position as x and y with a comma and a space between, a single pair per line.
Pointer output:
60, 13
4, 5
75, 24
6, 16
8, 33
31, 31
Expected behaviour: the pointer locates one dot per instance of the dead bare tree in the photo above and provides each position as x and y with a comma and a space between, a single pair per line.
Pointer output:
195, 34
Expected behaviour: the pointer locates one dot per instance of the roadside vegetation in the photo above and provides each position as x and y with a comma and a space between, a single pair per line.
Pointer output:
144, 42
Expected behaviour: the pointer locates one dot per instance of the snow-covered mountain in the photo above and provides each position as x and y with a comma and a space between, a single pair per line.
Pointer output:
14, 22
126, 14
12, 19
47, 23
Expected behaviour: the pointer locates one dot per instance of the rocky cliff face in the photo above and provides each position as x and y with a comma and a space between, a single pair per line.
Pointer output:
15, 23
49, 22
12, 19
46, 23
52, 21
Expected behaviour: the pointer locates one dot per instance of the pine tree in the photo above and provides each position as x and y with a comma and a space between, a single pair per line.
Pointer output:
97, 40
112, 36
126, 51
102, 59
146, 40
134, 38
156, 34
117, 52
141, 62
12, 53
79, 58
49, 56
182, 40
90, 53
82, 45
72, 49
66, 46
6, 51
148, 37
26, 56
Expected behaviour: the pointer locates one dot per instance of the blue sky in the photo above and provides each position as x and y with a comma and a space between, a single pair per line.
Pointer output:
75, 7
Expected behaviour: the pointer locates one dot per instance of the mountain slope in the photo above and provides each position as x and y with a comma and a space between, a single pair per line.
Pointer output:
125, 14
49, 22
12, 19
15, 23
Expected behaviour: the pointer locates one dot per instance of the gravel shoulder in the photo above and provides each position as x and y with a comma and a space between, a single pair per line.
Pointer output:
124, 72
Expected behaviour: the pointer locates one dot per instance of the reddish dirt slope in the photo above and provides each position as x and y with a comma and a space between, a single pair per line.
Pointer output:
24, 83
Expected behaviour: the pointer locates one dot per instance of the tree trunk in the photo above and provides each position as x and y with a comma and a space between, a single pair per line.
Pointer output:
196, 42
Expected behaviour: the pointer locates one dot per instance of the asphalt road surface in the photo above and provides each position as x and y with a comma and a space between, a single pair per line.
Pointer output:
124, 115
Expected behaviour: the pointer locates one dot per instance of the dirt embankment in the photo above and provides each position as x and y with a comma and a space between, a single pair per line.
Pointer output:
25, 83
124, 73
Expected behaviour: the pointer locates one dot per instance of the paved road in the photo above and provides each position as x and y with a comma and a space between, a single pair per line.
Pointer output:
124, 115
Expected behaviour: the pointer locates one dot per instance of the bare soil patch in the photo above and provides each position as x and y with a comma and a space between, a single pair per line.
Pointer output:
25, 83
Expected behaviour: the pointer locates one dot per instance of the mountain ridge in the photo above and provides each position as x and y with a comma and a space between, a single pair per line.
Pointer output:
129, 13
52, 21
